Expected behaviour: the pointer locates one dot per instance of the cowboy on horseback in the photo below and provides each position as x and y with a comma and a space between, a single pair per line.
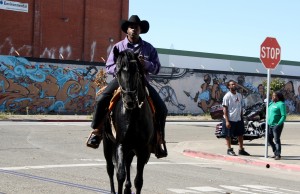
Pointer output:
148, 57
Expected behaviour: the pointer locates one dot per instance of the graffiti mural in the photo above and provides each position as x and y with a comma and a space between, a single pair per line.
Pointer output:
188, 91
8, 46
61, 52
162, 84
212, 87
60, 88
46, 87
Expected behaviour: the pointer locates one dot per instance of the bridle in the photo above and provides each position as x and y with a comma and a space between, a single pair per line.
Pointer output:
133, 94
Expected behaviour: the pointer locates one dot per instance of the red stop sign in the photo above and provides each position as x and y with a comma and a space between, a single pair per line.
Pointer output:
270, 52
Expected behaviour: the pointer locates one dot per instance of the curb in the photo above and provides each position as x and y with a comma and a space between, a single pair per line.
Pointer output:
266, 164
81, 120
46, 120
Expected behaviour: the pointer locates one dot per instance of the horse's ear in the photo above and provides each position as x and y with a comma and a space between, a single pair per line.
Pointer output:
116, 53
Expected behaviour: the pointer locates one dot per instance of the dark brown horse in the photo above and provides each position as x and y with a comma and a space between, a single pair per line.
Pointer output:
132, 119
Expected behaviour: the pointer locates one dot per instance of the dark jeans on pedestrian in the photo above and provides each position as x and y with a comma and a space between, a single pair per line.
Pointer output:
274, 134
103, 100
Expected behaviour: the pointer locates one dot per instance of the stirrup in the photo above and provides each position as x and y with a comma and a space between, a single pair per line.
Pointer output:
94, 140
161, 152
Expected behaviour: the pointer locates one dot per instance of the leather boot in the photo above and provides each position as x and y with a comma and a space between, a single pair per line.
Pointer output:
95, 137
161, 149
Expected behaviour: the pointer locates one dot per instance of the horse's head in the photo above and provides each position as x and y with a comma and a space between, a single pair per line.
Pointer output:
129, 76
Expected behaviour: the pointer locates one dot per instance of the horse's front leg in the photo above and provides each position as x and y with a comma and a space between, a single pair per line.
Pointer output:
120, 168
128, 159
110, 168
110, 171
142, 159
108, 154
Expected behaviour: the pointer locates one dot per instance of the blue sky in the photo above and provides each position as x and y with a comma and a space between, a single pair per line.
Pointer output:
233, 27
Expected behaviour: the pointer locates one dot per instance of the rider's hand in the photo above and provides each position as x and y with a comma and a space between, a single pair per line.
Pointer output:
142, 60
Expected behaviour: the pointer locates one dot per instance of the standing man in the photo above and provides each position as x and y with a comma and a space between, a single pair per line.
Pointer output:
233, 124
149, 59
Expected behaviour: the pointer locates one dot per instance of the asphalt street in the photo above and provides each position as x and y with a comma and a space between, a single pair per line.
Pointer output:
50, 157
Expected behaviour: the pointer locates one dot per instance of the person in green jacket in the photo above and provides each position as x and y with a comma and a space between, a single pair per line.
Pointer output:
276, 118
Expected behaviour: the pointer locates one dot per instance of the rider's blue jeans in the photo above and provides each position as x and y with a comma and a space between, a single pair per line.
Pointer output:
274, 134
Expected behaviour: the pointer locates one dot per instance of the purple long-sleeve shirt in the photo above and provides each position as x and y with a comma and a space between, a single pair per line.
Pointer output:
152, 64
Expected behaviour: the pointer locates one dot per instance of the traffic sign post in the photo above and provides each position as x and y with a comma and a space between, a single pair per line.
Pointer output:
270, 53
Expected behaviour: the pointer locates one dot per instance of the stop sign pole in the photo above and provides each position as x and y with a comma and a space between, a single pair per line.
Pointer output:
270, 52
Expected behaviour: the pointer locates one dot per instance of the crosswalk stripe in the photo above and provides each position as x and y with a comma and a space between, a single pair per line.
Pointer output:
249, 189
236, 188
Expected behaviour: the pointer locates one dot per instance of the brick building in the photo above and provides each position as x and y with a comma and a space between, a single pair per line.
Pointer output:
61, 29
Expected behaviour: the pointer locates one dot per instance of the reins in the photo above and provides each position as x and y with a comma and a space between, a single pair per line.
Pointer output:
134, 93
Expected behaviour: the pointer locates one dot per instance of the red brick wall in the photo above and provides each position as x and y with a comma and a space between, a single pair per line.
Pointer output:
63, 29
16, 31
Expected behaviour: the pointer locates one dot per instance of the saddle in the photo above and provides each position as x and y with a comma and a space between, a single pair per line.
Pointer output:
117, 95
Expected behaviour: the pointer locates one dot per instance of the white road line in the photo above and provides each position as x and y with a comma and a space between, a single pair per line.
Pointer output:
182, 191
239, 189
265, 189
288, 190
207, 189
88, 165
250, 189
50, 166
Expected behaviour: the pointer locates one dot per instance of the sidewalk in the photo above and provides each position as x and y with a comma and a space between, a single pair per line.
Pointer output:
207, 149
48, 118
82, 118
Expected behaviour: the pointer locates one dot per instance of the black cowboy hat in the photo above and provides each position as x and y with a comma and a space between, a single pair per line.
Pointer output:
134, 19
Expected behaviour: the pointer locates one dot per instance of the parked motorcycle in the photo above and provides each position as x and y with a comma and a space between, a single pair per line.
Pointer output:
254, 115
